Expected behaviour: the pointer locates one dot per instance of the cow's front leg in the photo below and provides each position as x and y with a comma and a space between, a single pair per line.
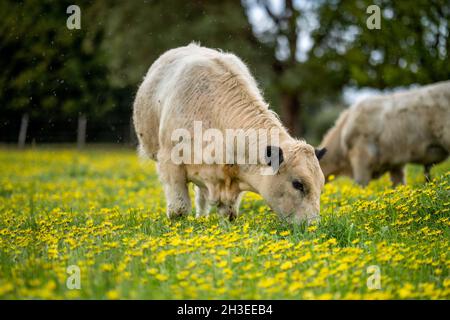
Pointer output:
173, 178
202, 206
237, 203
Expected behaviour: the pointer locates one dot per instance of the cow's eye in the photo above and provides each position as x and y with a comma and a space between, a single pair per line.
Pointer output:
298, 185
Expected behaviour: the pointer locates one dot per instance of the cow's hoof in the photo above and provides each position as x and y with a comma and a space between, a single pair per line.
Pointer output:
175, 214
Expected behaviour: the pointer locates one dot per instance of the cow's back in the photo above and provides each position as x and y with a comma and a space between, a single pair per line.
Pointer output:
156, 94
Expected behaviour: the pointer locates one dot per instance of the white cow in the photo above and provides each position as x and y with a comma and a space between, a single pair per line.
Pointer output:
385, 132
194, 83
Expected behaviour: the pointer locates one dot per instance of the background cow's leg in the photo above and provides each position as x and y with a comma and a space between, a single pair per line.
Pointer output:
397, 176
427, 169
173, 178
202, 206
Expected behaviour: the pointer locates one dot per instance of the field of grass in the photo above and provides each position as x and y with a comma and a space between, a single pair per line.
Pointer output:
103, 212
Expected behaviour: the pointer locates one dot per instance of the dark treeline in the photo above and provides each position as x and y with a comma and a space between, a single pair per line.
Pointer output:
303, 54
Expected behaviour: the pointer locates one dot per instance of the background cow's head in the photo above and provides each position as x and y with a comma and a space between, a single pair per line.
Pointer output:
334, 163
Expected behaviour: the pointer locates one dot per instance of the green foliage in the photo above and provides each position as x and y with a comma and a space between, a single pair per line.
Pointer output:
50, 70
47, 68
138, 33
105, 213
412, 45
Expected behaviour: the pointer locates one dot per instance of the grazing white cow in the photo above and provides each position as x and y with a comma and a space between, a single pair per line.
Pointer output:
385, 132
194, 83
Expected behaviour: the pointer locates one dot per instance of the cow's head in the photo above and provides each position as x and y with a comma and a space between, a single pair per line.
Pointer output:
336, 162
335, 166
294, 190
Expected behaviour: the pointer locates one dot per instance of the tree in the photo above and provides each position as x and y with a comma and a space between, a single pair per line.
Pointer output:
50, 70
282, 36
140, 32
411, 47
137, 33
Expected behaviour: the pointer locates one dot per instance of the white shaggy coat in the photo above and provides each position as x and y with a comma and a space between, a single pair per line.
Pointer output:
194, 83
385, 132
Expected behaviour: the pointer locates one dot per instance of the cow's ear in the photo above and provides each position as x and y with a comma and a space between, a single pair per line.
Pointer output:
274, 156
320, 153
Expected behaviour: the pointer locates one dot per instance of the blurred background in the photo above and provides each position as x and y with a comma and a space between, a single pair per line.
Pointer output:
312, 58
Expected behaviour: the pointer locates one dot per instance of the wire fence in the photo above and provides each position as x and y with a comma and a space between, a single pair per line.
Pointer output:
118, 131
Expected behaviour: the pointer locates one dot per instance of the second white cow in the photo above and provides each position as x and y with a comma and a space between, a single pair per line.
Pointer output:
383, 133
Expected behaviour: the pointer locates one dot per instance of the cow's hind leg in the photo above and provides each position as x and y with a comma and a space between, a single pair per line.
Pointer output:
202, 206
173, 178
427, 170
397, 176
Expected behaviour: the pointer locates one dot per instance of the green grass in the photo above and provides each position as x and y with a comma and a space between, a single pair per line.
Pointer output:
103, 211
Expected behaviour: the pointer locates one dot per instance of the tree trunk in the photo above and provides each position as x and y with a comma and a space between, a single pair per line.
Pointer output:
23, 131
290, 113
81, 133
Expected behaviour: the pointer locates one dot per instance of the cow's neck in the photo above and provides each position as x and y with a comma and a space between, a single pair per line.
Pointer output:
251, 177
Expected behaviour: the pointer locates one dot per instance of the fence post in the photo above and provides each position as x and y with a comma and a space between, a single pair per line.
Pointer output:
81, 133
23, 131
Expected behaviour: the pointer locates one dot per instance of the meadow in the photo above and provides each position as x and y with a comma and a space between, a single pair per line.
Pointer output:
103, 212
